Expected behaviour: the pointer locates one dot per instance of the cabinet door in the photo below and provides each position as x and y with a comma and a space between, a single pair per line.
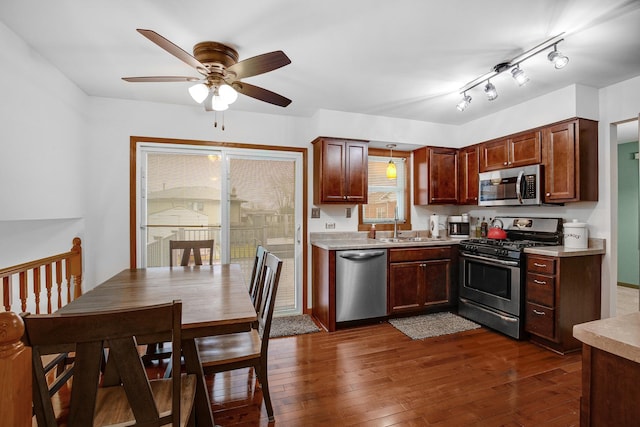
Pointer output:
405, 286
356, 172
443, 176
468, 163
494, 155
524, 149
437, 280
559, 145
333, 172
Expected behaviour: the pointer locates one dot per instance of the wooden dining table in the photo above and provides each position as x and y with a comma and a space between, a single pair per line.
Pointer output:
214, 301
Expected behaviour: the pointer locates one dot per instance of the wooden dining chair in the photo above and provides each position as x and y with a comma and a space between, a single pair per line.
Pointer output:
123, 393
159, 350
221, 353
188, 247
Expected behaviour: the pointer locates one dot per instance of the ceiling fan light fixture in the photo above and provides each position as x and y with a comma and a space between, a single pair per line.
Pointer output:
557, 58
218, 104
519, 76
199, 92
464, 103
491, 91
227, 94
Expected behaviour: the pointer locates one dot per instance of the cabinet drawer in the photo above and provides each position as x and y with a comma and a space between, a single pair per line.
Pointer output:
541, 289
540, 320
419, 254
539, 264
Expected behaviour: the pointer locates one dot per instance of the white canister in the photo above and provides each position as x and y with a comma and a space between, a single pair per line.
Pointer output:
576, 235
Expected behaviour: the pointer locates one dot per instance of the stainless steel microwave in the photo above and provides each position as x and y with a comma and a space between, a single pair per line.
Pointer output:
510, 187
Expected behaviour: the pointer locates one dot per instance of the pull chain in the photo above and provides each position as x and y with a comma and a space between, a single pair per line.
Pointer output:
215, 120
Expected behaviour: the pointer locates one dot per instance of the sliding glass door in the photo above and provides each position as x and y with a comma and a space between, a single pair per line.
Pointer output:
241, 198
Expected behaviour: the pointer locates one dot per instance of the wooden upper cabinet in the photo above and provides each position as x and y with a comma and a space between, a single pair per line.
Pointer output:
570, 160
517, 150
468, 163
435, 176
340, 168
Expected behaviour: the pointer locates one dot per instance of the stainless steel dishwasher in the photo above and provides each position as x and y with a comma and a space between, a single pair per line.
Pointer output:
361, 284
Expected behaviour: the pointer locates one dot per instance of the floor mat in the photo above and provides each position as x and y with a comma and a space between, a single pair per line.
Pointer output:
292, 325
432, 325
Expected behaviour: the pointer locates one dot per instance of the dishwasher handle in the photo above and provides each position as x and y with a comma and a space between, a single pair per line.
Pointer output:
359, 256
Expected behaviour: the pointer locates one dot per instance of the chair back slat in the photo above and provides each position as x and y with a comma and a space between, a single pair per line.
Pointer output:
189, 247
271, 277
255, 290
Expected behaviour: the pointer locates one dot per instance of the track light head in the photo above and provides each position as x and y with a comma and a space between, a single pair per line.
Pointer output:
519, 76
491, 91
464, 103
557, 58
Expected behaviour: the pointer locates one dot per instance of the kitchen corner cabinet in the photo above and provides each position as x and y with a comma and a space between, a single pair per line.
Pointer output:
420, 279
561, 292
570, 160
517, 150
435, 176
468, 163
340, 168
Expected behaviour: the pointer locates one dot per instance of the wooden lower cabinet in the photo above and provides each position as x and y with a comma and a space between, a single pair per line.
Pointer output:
420, 279
610, 391
561, 292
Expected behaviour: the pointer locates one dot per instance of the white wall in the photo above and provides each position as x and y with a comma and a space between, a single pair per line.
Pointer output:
42, 140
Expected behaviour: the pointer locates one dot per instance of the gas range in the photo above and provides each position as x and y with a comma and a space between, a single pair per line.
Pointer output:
522, 232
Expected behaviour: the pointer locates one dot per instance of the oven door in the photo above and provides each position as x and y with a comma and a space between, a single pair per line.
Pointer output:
491, 282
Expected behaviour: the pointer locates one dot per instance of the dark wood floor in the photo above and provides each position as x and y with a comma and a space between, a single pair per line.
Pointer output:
376, 376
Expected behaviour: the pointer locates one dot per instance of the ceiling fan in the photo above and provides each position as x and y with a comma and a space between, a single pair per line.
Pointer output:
221, 72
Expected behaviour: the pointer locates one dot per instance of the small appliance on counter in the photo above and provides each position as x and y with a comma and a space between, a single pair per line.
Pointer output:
458, 227
435, 225
576, 235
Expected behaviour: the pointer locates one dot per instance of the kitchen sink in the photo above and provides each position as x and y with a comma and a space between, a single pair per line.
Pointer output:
401, 239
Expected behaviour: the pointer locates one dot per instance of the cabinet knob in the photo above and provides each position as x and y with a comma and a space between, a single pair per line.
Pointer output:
510, 163
505, 163
548, 194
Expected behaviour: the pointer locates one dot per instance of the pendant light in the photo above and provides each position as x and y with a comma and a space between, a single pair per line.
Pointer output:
391, 167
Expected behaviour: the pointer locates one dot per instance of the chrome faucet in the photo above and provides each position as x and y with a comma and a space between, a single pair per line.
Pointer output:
395, 224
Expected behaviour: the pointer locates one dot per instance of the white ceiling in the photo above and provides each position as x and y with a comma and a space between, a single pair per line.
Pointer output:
401, 58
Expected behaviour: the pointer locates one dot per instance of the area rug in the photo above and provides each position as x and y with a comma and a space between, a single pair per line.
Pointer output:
292, 325
432, 325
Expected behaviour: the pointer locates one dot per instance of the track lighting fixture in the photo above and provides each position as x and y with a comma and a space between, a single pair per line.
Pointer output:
466, 100
519, 76
491, 91
558, 59
391, 167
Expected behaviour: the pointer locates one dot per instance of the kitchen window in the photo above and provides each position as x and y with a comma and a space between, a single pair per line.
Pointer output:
385, 194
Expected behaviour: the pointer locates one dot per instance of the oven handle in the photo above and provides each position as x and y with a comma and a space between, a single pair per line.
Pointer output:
491, 260
518, 186
505, 318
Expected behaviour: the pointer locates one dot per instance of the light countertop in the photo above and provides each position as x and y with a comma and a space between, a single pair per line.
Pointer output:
616, 335
596, 247
358, 240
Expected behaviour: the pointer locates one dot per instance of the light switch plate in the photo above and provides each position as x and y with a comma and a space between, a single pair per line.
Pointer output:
315, 212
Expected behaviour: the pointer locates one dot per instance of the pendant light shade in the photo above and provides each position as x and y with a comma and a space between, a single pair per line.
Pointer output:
391, 167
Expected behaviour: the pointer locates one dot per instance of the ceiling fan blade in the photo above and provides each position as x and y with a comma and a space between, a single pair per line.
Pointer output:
259, 64
155, 79
261, 94
175, 50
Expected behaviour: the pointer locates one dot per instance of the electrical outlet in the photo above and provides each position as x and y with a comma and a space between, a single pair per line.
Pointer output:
315, 212
330, 225
348, 212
